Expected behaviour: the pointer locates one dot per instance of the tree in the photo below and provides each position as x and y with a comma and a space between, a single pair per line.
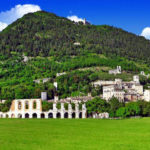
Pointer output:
133, 108
46, 106
114, 105
66, 106
144, 108
97, 105
121, 112
58, 106
6, 106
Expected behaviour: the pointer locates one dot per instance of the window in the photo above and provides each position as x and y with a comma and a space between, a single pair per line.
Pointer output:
19, 105
34, 105
27, 105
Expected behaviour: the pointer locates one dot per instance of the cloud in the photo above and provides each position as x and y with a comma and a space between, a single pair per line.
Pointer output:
17, 12
3, 26
75, 18
146, 33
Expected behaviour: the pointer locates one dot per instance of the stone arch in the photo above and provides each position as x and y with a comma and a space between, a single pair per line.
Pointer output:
7, 116
80, 115
66, 115
34, 115
34, 105
12, 116
73, 115
1, 116
42, 115
19, 105
58, 115
19, 115
50, 115
26, 115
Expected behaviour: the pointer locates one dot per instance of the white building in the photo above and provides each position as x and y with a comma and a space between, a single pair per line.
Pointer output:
124, 91
136, 79
147, 95
111, 91
115, 71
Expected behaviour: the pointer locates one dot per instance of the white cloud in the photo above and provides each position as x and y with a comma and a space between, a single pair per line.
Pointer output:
18, 11
2, 26
146, 33
75, 18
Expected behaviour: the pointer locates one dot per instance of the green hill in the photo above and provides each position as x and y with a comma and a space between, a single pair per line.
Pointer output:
49, 42
45, 34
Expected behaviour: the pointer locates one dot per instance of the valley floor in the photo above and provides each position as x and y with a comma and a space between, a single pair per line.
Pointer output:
129, 134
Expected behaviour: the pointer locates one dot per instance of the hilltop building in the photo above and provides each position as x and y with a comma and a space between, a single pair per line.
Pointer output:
115, 71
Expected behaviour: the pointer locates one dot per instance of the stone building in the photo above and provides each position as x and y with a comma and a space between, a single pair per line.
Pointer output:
113, 91
147, 95
124, 91
32, 108
115, 71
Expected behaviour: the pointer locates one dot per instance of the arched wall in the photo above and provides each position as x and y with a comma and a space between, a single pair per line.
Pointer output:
37, 113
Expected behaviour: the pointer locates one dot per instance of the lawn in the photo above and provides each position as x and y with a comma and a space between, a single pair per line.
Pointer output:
130, 134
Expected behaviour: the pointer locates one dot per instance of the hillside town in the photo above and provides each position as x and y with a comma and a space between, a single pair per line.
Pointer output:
123, 91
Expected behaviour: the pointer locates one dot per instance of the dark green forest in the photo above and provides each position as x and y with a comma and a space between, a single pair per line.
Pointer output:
48, 41
45, 34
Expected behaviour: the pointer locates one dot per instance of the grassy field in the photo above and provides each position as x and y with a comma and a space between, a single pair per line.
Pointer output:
132, 134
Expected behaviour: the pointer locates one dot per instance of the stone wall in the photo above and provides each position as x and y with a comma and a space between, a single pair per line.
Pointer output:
19, 109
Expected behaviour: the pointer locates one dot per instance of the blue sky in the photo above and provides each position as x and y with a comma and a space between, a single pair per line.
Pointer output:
131, 15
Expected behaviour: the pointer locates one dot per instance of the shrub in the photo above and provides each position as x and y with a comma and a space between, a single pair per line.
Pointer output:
66, 106
58, 106
6, 106
73, 106
46, 106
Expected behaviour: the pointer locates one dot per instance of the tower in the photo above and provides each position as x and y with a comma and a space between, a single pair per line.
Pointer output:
136, 79
56, 98
84, 21
44, 96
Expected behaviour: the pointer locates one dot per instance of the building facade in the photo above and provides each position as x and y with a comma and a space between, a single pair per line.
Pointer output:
124, 91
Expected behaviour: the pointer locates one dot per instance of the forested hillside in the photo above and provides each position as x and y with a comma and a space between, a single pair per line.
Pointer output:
45, 34
49, 42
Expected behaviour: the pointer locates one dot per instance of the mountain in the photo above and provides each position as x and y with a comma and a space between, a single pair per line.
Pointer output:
45, 34
39, 46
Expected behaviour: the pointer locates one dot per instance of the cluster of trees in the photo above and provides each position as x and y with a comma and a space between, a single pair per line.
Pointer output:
118, 109
17, 77
4, 107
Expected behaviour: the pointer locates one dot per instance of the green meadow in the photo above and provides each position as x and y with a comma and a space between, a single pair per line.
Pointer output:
88, 134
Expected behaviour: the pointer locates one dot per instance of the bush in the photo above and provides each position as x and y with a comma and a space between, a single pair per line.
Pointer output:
46, 106
122, 112
66, 106
73, 106
6, 106
58, 106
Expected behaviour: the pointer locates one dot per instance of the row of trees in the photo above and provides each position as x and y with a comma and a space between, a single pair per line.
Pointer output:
119, 109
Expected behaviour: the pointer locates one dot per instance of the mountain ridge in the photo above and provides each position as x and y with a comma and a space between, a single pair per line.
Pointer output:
46, 34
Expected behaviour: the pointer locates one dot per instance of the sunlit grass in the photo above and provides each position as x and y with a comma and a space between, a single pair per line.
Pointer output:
132, 134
